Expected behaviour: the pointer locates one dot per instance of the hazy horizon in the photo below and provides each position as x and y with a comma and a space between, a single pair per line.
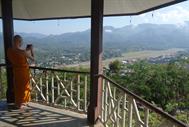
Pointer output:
175, 14
134, 25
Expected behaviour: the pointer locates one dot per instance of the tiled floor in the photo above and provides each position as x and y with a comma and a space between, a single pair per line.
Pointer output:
40, 116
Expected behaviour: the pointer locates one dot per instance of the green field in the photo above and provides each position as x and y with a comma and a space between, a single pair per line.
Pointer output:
132, 55
143, 55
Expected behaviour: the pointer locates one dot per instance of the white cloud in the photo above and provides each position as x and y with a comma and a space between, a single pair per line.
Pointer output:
178, 15
108, 31
174, 15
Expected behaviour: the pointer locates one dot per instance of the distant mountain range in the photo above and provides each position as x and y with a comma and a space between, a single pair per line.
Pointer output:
131, 37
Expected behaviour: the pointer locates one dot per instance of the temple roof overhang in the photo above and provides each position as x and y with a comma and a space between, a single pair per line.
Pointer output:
61, 9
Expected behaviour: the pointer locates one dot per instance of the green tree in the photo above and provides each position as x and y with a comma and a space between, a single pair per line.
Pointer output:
115, 66
166, 85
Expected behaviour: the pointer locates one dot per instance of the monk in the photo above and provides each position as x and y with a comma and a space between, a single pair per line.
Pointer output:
21, 76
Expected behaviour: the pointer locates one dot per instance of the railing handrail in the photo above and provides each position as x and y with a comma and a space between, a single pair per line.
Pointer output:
52, 69
146, 103
2, 64
59, 70
136, 97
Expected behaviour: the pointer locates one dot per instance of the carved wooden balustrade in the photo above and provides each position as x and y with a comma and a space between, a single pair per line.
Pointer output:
2, 81
67, 89
70, 90
122, 108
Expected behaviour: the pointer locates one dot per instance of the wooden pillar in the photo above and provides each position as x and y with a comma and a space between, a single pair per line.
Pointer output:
97, 7
7, 20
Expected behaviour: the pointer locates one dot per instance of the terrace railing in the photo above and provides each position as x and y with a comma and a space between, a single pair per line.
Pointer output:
2, 81
55, 87
120, 107
67, 89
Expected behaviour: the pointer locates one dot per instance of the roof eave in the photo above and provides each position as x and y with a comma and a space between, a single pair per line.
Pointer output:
108, 15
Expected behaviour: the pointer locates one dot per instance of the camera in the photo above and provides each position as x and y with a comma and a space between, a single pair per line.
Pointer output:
29, 47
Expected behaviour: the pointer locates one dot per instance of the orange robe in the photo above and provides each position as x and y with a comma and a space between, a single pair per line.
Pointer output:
21, 76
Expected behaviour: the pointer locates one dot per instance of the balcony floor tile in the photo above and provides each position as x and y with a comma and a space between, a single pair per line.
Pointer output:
37, 115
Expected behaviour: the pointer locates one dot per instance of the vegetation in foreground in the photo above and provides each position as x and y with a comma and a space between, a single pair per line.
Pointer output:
165, 85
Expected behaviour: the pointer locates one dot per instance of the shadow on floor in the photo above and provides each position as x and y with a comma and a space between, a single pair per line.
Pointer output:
37, 115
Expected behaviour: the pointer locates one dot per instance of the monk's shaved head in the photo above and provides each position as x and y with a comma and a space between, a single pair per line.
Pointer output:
17, 37
17, 41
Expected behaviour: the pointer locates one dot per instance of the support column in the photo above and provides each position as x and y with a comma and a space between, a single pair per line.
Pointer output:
7, 20
97, 7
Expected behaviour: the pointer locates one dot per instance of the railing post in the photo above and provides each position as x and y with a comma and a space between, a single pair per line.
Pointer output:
47, 87
94, 108
7, 19
123, 110
78, 92
41, 85
146, 117
58, 88
52, 88
85, 95
130, 112
105, 101
1, 83
71, 90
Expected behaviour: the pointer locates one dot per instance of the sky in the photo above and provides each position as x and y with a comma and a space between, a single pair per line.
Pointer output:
175, 14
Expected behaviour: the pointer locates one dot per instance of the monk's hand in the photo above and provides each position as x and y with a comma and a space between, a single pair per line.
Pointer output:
33, 65
33, 59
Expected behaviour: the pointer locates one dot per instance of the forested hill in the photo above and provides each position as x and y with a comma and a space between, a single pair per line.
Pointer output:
131, 37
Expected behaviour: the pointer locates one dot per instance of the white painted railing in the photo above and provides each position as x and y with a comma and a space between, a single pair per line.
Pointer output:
1, 84
122, 108
67, 89
2, 81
